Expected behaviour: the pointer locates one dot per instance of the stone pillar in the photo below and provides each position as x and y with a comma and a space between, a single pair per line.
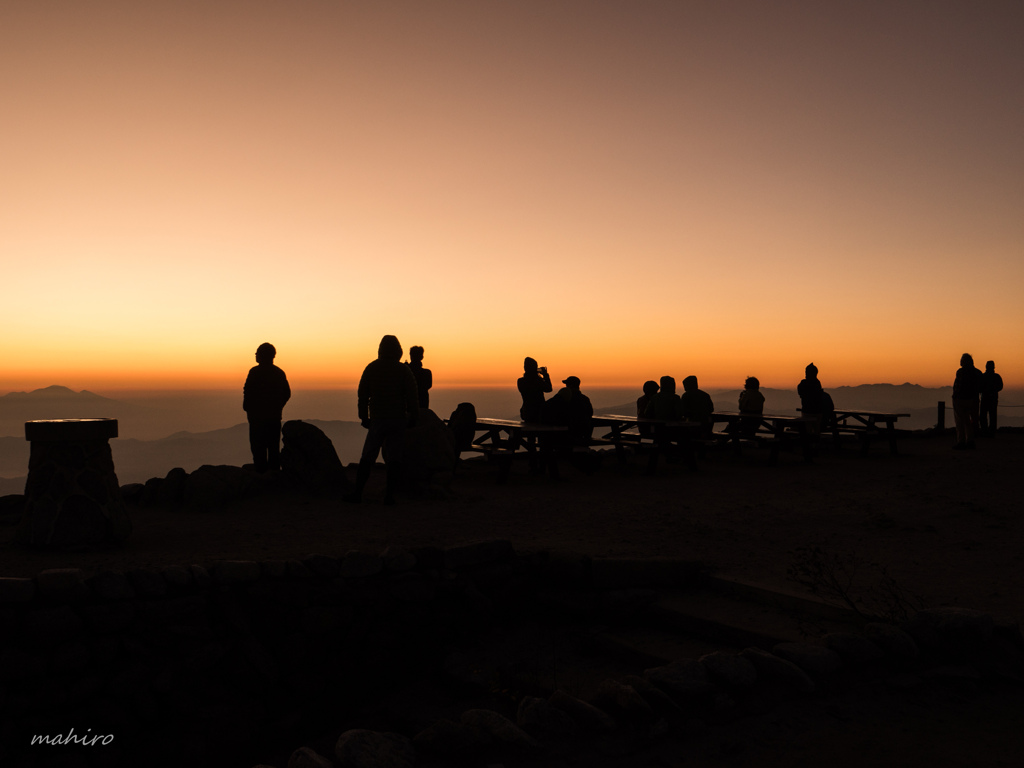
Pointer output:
72, 497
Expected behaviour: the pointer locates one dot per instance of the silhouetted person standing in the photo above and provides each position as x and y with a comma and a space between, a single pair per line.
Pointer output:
810, 391
966, 389
533, 384
388, 404
991, 386
424, 378
697, 405
264, 396
812, 396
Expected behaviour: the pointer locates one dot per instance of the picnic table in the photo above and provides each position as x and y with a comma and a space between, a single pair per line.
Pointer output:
774, 429
502, 438
866, 425
628, 431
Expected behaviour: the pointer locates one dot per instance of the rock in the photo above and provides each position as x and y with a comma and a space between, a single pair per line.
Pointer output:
622, 701
11, 509
236, 571
50, 627
171, 490
446, 738
586, 716
480, 553
304, 757
323, 566
200, 575
853, 648
177, 576
275, 569
501, 730
110, 617
538, 716
813, 659
429, 450
410, 587
730, 669
952, 633
398, 559
133, 493
686, 683
469, 671
653, 695
147, 582
892, 640
360, 565
16, 664
370, 749
309, 459
773, 668
211, 486
109, 585
62, 585
15, 590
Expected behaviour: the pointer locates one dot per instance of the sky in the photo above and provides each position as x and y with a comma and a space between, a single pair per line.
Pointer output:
622, 190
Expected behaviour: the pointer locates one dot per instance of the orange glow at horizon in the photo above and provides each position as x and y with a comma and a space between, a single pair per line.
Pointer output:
620, 190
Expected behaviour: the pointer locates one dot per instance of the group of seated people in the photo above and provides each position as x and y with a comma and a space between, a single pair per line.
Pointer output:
569, 407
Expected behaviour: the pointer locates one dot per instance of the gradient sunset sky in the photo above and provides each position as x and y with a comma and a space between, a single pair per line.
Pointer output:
622, 190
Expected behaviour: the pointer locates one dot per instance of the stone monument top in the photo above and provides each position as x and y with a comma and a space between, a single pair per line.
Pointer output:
71, 429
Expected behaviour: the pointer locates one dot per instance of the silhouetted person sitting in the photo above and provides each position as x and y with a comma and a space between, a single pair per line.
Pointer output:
991, 386
533, 384
665, 405
697, 405
571, 408
388, 404
264, 396
424, 378
752, 402
811, 401
966, 389
650, 390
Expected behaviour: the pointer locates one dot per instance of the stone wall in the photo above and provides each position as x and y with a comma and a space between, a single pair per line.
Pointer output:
227, 664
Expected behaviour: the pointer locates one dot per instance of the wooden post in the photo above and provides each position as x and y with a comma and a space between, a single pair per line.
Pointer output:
941, 423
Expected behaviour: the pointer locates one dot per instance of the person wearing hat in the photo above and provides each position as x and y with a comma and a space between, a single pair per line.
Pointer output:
569, 407
991, 386
264, 396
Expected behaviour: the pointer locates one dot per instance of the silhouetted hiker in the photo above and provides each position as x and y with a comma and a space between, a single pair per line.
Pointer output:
571, 408
665, 404
752, 402
697, 404
966, 389
388, 403
532, 385
650, 390
264, 395
424, 378
811, 401
991, 386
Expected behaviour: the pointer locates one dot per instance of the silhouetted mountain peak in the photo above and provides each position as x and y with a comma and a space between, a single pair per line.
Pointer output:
55, 392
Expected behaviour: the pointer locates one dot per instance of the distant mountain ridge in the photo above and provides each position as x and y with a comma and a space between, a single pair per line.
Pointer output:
55, 392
